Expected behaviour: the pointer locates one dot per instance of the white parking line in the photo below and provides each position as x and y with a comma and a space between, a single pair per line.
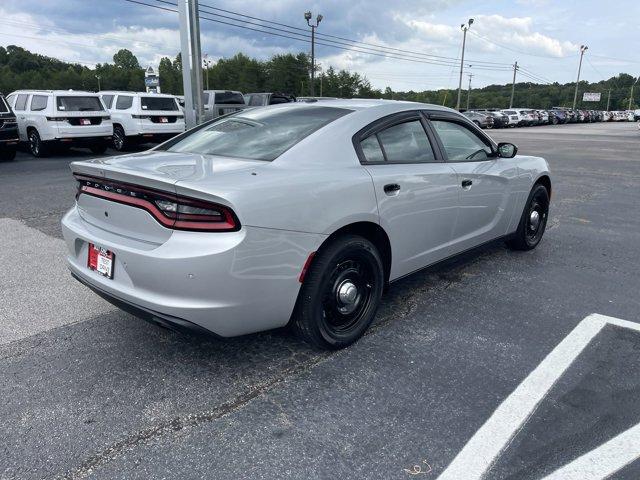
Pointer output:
485, 447
605, 460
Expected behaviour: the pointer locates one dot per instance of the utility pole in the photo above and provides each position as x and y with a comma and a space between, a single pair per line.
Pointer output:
513, 84
98, 77
464, 27
191, 61
608, 99
583, 48
307, 17
469, 91
631, 96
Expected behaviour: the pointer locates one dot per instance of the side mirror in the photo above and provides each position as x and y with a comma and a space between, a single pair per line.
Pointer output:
507, 150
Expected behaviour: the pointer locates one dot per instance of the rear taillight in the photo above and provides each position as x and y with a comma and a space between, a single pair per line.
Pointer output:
141, 117
170, 210
56, 119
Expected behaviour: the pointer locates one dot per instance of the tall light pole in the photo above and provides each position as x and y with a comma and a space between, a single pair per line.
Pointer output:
191, 61
513, 84
469, 91
583, 48
464, 27
631, 96
98, 77
307, 17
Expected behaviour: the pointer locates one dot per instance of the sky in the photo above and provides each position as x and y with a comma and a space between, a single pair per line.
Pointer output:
543, 36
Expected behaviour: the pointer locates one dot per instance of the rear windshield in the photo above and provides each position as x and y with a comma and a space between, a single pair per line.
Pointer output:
510, 112
3, 106
79, 104
257, 134
229, 98
158, 103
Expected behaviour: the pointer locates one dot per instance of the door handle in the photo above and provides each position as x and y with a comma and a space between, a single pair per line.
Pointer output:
467, 183
391, 189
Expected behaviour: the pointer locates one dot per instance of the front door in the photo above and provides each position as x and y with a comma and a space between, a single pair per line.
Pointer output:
485, 182
417, 193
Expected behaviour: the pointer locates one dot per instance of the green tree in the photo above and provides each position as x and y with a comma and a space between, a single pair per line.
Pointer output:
126, 60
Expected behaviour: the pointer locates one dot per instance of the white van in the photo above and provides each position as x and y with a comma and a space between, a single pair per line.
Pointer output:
47, 118
142, 117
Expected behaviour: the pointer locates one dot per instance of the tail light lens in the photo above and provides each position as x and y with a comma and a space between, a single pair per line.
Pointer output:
170, 210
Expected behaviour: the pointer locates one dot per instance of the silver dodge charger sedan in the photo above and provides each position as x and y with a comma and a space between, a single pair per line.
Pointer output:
296, 214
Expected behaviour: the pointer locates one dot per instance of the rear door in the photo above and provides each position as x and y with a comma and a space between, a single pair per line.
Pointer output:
485, 181
416, 191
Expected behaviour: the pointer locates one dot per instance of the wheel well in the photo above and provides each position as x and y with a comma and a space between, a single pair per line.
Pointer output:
31, 129
546, 181
372, 232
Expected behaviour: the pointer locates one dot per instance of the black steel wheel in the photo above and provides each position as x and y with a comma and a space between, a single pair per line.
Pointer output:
7, 153
533, 221
340, 293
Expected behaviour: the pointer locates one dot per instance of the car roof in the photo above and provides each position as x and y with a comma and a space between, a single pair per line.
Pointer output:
364, 104
56, 92
120, 92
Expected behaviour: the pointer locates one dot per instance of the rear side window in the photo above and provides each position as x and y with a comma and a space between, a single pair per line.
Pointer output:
108, 100
21, 101
460, 143
406, 142
205, 98
124, 102
39, 102
79, 104
371, 149
229, 98
158, 103
258, 134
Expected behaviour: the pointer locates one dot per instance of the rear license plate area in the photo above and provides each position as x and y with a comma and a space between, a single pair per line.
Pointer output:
100, 260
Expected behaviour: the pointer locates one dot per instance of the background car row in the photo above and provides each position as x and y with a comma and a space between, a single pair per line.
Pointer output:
528, 117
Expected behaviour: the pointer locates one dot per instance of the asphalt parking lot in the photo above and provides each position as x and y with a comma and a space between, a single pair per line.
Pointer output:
471, 366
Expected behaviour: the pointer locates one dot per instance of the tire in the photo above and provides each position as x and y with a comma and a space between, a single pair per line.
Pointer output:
7, 154
37, 147
119, 139
554, 121
531, 228
326, 314
98, 148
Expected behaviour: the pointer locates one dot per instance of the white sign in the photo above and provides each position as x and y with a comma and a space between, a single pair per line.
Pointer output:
590, 97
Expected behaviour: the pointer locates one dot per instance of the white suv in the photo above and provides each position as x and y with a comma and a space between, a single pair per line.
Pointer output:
142, 117
61, 117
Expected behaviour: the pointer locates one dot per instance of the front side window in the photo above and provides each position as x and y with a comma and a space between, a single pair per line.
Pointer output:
406, 142
257, 134
460, 143
165, 104
39, 102
21, 101
79, 104
108, 100
124, 102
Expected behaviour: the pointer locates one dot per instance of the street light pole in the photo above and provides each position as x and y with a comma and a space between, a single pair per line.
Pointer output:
98, 77
513, 84
631, 96
464, 27
469, 91
583, 48
307, 17
206, 69
191, 61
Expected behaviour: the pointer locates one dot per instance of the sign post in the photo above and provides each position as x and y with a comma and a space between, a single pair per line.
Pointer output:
151, 80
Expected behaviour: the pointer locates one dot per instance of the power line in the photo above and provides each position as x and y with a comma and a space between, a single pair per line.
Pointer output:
320, 34
519, 51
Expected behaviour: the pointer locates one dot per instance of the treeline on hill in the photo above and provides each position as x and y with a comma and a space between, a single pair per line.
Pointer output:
289, 73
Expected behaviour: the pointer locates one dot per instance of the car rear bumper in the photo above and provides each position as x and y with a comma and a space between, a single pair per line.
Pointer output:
70, 132
229, 283
8, 135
